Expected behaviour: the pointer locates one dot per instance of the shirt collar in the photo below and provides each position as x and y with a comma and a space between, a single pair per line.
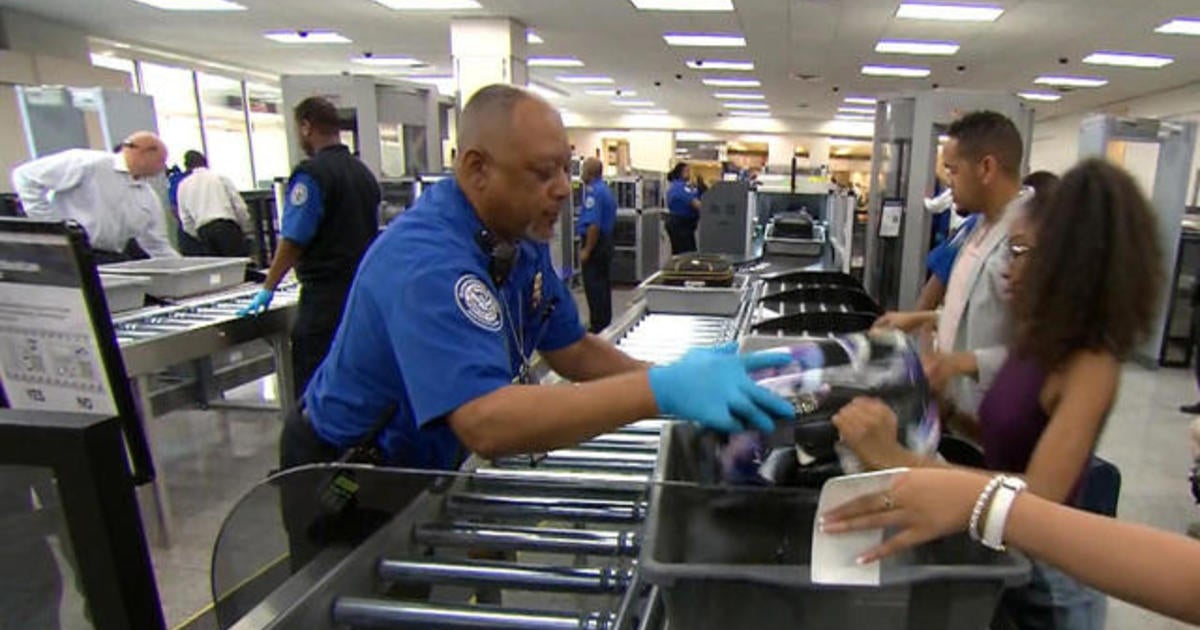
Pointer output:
119, 163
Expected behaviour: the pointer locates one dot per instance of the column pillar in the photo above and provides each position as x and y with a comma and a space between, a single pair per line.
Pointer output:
487, 51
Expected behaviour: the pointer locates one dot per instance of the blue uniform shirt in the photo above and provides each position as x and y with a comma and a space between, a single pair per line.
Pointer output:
940, 260
679, 199
302, 211
599, 209
423, 329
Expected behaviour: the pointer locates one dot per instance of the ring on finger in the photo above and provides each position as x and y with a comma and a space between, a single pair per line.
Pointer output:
888, 502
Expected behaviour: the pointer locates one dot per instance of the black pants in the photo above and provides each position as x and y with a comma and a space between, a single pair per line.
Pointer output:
597, 285
682, 232
223, 237
316, 324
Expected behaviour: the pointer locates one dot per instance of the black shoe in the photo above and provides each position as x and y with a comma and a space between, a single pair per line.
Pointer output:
1192, 409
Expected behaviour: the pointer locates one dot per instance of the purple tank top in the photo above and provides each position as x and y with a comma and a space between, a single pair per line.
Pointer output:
1011, 418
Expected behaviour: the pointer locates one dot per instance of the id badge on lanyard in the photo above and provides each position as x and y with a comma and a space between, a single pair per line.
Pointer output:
516, 331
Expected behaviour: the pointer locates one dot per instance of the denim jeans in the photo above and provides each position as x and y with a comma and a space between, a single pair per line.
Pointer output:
1054, 600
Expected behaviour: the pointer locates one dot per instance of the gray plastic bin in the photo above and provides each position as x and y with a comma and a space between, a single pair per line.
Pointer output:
732, 557
184, 277
124, 293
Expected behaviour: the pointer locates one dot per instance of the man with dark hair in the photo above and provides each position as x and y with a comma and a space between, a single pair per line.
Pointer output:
983, 161
211, 209
597, 219
330, 216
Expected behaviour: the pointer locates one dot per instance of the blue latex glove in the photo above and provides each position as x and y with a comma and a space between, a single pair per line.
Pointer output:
710, 387
260, 303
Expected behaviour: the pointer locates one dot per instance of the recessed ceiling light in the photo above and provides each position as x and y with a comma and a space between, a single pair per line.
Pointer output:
531, 37
895, 71
720, 64
429, 5
907, 47
949, 12
580, 79
1048, 97
545, 91
553, 62
610, 92
649, 112
307, 37
735, 105
854, 118
1180, 26
632, 103
1128, 60
728, 82
1082, 82
711, 40
683, 5
193, 5
860, 100
403, 62
867, 111
741, 113
746, 96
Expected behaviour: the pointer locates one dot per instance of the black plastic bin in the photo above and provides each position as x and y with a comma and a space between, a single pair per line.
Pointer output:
789, 281
737, 557
816, 324
826, 298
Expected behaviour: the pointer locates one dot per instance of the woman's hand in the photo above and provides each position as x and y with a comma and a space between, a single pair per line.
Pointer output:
923, 504
868, 427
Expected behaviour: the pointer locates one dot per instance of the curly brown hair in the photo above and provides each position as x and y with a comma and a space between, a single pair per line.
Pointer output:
1094, 278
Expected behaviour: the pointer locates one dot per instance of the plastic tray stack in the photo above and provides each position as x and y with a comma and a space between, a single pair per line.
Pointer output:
813, 304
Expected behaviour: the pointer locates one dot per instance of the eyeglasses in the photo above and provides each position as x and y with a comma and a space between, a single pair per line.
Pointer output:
1016, 250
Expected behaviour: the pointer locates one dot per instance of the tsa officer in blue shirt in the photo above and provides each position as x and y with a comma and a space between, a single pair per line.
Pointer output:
596, 222
683, 207
330, 217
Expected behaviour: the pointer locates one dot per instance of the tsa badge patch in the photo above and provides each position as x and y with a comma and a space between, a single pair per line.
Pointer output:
476, 301
299, 195
590, 202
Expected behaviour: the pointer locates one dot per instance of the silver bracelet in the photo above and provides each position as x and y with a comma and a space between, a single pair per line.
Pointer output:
981, 503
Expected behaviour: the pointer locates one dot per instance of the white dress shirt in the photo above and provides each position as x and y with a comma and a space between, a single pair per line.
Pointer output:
205, 196
95, 189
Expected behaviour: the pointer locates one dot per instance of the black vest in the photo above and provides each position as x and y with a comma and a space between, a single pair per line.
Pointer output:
350, 198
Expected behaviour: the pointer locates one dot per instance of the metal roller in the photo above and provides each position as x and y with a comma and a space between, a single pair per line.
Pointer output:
376, 613
562, 508
513, 538
645, 427
608, 482
583, 459
509, 575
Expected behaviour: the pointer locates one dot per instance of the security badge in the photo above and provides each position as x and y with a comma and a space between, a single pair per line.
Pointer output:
536, 298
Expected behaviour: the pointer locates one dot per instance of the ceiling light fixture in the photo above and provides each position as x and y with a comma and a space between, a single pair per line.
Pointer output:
745, 96
1046, 97
860, 100
553, 62
909, 47
949, 12
1065, 81
402, 62
649, 112
707, 40
531, 37
307, 37
632, 103
854, 118
1180, 26
682, 5
610, 92
735, 105
579, 79
907, 72
720, 64
749, 114
729, 82
1128, 60
867, 111
193, 5
429, 5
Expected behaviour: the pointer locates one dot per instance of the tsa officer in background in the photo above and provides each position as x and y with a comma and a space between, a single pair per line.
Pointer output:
330, 217
596, 223
683, 207
109, 194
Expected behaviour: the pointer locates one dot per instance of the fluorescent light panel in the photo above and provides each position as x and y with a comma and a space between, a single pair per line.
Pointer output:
579, 79
401, 62
860, 100
707, 40
309, 37
741, 113
1128, 60
745, 96
193, 5
746, 105
545, 91
907, 72
729, 82
429, 5
682, 5
1180, 26
1046, 97
1068, 81
946, 12
553, 62
854, 118
631, 103
720, 64
531, 37
649, 112
866, 111
912, 47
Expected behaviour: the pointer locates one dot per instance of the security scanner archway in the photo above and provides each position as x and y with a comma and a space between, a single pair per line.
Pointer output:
903, 173
56, 118
1133, 143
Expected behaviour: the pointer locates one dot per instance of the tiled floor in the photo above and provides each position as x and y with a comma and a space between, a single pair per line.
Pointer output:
211, 458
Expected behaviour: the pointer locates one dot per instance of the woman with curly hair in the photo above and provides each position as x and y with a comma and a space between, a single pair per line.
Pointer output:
1085, 276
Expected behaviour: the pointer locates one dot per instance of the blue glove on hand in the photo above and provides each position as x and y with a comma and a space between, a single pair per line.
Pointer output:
260, 303
709, 386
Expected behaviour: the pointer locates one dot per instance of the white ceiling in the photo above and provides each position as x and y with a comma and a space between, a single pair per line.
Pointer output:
828, 38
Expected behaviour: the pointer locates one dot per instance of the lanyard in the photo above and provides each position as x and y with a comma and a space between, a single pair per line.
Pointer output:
515, 334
